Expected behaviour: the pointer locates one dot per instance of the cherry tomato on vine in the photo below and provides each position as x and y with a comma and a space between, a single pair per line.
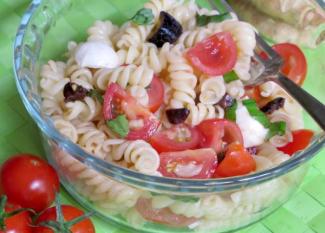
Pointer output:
29, 181
69, 213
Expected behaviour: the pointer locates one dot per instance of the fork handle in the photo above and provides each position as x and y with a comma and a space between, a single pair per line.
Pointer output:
315, 108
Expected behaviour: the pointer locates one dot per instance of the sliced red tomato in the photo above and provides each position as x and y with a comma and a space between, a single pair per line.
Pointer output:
69, 214
217, 132
295, 64
237, 162
117, 101
17, 223
215, 55
178, 138
156, 94
253, 93
300, 140
163, 216
191, 164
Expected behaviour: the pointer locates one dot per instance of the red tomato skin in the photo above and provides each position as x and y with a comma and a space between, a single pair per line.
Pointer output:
69, 213
19, 223
29, 181
300, 140
155, 92
132, 109
215, 55
217, 131
295, 63
162, 143
205, 157
162, 216
237, 162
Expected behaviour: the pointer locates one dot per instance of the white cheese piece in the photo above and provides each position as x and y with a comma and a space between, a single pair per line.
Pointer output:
96, 54
253, 131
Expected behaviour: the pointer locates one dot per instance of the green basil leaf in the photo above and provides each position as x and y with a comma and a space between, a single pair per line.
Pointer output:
119, 125
96, 94
277, 128
230, 76
203, 20
144, 16
256, 113
230, 113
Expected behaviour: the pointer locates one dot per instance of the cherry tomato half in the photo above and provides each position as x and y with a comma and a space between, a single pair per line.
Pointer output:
237, 162
178, 138
156, 94
216, 132
191, 164
18, 223
215, 55
117, 101
29, 181
300, 140
295, 64
69, 213
163, 216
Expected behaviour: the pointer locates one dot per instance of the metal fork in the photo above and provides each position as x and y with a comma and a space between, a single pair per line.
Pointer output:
269, 70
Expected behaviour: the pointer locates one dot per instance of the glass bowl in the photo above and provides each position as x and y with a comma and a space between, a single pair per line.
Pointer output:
116, 193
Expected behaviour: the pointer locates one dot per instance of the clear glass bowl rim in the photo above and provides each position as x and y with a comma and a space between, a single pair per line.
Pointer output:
132, 177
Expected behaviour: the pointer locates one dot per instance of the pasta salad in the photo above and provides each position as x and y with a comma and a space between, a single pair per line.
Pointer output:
164, 94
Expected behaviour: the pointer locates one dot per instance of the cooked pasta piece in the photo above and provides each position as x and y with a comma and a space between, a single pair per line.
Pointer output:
124, 75
202, 112
212, 90
235, 89
182, 81
139, 153
102, 30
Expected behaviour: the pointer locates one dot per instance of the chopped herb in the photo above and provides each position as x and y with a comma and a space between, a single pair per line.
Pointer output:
230, 113
96, 94
203, 20
230, 76
256, 113
143, 16
73, 92
277, 128
119, 125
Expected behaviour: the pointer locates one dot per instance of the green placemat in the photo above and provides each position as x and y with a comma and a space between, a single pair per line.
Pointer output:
304, 213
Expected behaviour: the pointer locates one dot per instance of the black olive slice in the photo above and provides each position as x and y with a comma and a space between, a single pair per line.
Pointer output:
168, 30
273, 105
177, 115
73, 92
226, 101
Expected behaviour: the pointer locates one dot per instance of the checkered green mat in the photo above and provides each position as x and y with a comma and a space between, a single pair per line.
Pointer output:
304, 213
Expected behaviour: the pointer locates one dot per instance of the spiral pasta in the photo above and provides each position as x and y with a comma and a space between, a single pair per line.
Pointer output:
267, 150
52, 84
202, 112
139, 153
102, 30
86, 110
235, 89
212, 90
244, 36
189, 38
124, 75
182, 81
134, 35
161, 5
